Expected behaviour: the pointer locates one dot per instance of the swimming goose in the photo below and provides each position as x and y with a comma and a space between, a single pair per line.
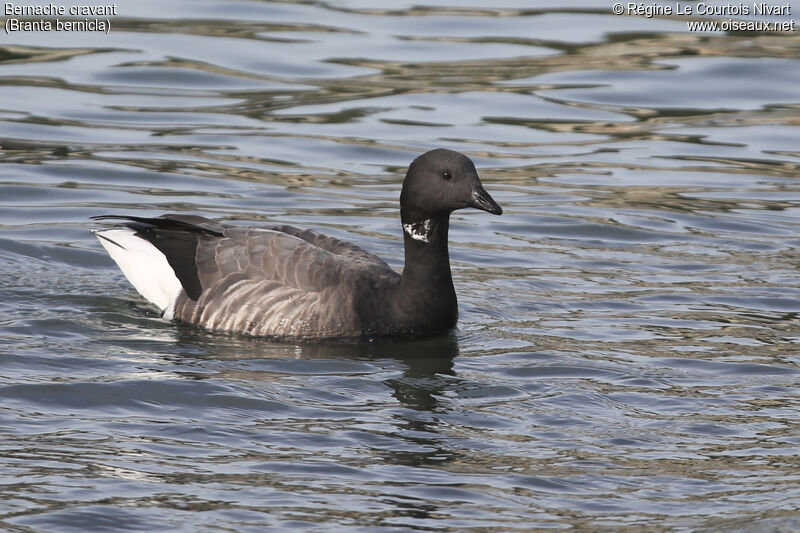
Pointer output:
289, 283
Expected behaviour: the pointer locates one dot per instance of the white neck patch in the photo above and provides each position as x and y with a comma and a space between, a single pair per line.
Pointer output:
419, 231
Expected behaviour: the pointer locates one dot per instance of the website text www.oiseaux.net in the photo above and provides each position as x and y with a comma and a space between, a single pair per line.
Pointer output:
777, 13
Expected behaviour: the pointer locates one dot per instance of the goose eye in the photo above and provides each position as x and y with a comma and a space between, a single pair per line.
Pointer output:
446, 174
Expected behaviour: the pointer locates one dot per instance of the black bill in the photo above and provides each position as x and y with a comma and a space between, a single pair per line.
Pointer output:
481, 200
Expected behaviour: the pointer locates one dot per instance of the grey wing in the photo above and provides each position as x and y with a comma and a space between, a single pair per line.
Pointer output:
267, 283
345, 249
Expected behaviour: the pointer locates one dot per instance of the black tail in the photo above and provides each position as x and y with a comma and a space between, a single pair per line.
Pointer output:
176, 236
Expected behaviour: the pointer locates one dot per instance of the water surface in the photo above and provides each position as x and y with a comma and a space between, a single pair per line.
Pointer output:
627, 354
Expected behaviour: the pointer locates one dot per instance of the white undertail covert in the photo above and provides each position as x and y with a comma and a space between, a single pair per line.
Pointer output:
145, 267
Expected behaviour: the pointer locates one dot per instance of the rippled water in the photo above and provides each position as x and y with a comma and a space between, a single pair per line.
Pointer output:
627, 357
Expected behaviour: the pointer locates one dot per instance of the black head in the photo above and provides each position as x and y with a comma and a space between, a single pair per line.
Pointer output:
439, 182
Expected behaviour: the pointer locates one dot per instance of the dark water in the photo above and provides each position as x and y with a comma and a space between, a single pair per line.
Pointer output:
627, 358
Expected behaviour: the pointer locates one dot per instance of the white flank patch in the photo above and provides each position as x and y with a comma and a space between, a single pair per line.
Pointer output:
145, 267
419, 231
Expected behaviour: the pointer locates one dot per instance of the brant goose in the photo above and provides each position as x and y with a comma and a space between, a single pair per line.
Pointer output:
288, 283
